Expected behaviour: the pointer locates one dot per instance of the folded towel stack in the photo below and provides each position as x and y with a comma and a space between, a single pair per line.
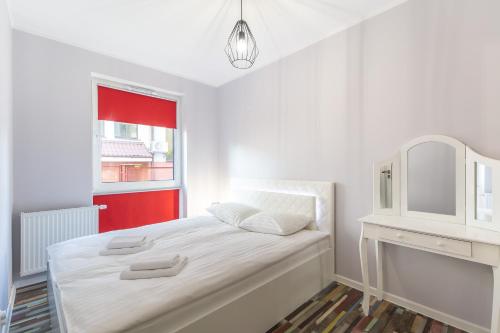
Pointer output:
122, 242
126, 245
166, 262
169, 266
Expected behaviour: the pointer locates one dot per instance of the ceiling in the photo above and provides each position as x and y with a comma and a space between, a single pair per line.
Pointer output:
187, 37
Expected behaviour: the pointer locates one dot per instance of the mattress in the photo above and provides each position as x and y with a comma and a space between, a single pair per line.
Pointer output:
92, 298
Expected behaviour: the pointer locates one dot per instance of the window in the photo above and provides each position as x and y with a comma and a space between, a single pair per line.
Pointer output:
136, 141
145, 155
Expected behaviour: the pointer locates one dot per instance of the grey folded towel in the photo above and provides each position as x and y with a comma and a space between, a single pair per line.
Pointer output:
122, 242
127, 250
154, 273
167, 262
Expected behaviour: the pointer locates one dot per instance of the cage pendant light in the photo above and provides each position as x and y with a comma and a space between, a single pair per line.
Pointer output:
241, 47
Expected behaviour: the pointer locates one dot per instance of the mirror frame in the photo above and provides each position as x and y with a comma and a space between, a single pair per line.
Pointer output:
460, 151
472, 159
394, 163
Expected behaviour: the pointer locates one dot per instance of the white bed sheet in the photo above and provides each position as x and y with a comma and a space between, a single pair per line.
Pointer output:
94, 299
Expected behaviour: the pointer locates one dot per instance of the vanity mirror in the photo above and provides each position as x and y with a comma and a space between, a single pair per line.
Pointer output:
483, 202
438, 178
386, 187
433, 179
484, 197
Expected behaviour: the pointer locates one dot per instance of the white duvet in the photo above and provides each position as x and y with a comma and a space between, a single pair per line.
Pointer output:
94, 299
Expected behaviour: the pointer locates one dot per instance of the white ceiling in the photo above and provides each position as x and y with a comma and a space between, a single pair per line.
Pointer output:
187, 37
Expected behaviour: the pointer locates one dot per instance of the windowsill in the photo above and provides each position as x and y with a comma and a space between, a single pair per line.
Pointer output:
133, 189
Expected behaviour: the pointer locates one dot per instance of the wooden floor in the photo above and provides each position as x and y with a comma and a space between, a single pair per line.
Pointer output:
31, 310
336, 309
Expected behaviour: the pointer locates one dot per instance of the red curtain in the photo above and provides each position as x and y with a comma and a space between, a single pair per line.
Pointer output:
130, 210
126, 107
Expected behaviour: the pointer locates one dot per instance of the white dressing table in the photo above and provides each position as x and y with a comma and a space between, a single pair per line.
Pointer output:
470, 230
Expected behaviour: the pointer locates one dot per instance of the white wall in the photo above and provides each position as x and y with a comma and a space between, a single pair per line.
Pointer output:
52, 126
325, 113
5, 154
331, 110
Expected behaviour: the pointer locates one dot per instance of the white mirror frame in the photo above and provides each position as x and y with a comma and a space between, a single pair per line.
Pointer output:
459, 216
394, 163
472, 159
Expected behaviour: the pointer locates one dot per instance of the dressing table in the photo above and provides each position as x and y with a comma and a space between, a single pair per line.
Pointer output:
436, 195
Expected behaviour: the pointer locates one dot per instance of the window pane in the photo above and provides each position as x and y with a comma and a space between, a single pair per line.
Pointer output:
136, 153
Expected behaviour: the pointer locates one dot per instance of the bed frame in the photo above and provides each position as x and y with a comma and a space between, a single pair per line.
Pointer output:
260, 301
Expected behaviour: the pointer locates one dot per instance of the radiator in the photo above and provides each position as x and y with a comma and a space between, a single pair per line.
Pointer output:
41, 229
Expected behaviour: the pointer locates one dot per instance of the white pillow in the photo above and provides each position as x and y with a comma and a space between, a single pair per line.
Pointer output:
231, 212
277, 224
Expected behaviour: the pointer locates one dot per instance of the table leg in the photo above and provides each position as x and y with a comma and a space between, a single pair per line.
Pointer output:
495, 314
363, 253
379, 254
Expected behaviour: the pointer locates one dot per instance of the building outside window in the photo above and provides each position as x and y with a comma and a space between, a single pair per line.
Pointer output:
125, 131
136, 153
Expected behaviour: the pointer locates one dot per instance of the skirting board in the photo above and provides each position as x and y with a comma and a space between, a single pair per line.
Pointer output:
33, 279
10, 308
425, 310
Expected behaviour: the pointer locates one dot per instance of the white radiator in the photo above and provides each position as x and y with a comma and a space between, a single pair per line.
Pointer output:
41, 229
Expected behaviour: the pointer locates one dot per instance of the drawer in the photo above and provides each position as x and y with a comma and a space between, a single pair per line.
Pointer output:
433, 243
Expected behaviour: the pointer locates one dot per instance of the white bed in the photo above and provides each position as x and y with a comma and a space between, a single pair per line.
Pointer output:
235, 280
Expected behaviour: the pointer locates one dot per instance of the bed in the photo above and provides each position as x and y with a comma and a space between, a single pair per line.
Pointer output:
235, 280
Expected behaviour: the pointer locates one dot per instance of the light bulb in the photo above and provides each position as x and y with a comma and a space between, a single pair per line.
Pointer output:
241, 44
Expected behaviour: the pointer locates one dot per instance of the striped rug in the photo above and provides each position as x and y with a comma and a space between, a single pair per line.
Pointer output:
336, 309
31, 310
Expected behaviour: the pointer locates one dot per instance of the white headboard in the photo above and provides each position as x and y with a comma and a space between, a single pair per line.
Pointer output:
281, 203
306, 194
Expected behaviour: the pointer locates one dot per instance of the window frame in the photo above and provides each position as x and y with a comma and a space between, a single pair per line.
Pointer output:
98, 187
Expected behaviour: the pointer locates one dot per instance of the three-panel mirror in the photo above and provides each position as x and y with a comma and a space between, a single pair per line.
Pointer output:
439, 178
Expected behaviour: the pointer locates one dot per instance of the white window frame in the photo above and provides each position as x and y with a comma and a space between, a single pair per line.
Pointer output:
126, 187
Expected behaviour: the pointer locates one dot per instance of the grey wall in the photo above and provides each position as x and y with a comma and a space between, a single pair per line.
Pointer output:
52, 126
331, 110
5, 154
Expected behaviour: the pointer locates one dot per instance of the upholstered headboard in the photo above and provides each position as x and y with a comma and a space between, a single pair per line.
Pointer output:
276, 202
311, 198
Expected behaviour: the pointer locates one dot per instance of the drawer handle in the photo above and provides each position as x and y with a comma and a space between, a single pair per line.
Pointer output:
400, 236
440, 244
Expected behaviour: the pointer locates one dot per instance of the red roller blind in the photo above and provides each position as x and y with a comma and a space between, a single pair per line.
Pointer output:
130, 210
127, 107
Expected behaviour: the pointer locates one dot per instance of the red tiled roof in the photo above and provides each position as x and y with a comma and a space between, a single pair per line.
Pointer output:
118, 148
